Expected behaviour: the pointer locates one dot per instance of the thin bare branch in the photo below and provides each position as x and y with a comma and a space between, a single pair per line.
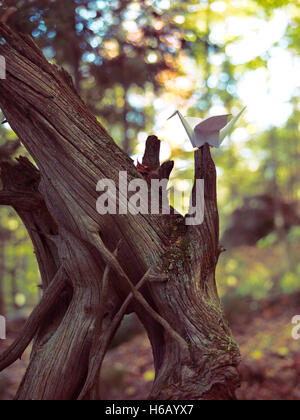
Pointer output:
103, 342
21, 200
51, 295
105, 290
111, 260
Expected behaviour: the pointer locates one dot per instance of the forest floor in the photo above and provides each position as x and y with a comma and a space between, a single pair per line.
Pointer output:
270, 367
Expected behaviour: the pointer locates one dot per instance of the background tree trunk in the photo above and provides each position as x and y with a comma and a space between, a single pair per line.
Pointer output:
97, 268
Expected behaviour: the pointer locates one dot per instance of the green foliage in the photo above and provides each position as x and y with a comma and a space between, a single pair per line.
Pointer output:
20, 276
115, 50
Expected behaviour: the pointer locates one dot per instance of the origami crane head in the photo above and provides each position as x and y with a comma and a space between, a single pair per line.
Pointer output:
212, 131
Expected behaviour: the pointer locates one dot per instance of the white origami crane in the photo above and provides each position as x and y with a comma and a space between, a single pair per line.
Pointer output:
212, 131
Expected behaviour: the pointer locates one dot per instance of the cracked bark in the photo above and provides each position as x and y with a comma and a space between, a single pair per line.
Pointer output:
195, 355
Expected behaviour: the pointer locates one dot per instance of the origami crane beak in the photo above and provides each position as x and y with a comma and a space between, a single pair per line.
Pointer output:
173, 115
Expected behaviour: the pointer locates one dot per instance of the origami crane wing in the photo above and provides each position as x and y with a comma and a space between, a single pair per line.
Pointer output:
208, 131
226, 130
193, 121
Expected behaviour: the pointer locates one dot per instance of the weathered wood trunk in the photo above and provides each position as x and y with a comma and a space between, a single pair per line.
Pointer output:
162, 269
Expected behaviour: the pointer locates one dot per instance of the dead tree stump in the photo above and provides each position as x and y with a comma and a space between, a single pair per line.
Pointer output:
96, 268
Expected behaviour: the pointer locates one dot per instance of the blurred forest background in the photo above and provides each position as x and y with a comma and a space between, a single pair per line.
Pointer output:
136, 62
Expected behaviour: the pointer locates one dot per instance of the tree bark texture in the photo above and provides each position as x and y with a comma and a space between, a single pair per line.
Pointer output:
96, 268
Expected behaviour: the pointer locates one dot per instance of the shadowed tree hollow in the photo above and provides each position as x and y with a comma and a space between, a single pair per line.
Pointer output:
95, 268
